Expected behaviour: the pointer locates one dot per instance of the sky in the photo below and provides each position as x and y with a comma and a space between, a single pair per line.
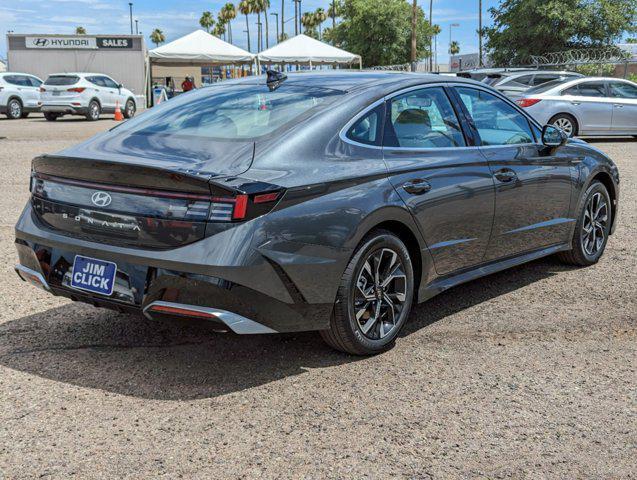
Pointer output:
179, 18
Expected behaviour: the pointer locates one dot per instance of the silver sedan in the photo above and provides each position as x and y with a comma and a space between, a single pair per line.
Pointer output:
585, 106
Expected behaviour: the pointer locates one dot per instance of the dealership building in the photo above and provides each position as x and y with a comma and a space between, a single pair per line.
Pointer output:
122, 57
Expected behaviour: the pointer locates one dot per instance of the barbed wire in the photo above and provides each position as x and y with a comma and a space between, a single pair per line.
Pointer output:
584, 56
403, 67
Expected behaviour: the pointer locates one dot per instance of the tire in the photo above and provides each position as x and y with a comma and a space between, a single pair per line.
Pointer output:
595, 204
358, 325
14, 109
129, 109
566, 122
51, 117
93, 112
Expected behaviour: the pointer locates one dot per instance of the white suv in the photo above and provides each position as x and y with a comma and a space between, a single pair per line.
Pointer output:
19, 94
87, 94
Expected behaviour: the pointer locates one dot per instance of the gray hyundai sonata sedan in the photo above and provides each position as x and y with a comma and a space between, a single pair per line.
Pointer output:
323, 201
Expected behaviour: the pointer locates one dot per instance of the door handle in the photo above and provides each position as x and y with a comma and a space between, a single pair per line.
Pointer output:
417, 186
576, 103
505, 175
618, 105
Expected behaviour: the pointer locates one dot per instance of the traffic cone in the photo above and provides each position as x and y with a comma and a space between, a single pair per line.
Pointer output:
118, 113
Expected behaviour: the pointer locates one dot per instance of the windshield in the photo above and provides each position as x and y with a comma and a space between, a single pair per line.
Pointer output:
62, 80
236, 112
545, 87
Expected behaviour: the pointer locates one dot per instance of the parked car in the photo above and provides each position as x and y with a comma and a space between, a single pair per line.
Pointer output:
19, 94
586, 106
326, 201
479, 74
87, 94
514, 84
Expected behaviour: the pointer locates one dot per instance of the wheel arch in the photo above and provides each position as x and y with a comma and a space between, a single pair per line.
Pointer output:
578, 124
15, 97
95, 99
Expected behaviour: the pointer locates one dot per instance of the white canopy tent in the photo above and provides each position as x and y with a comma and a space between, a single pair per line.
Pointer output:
199, 48
307, 50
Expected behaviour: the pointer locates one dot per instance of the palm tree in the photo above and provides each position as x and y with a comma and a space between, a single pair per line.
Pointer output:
266, 4
454, 48
219, 30
157, 37
221, 25
320, 17
334, 11
308, 20
257, 7
229, 13
435, 31
80, 31
207, 21
245, 7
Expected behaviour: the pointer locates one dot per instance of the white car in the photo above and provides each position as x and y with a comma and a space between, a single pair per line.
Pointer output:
585, 106
19, 94
87, 94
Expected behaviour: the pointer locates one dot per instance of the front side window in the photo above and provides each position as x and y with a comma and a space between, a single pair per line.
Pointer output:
108, 82
497, 122
422, 119
35, 82
622, 90
224, 112
367, 129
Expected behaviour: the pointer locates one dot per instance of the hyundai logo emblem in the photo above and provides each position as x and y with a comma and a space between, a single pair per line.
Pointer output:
101, 199
41, 42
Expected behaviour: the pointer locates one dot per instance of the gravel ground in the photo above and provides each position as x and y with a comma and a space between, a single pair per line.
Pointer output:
529, 373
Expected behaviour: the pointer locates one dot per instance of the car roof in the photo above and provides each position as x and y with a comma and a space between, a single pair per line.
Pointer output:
2, 74
77, 74
350, 81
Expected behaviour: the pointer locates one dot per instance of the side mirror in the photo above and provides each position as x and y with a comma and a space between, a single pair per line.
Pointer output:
553, 136
120, 86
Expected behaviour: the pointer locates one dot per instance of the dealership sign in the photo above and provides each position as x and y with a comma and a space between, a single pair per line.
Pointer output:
116, 42
61, 42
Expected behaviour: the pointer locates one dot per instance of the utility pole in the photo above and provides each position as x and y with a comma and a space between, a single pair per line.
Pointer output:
300, 15
296, 17
282, 19
414, 14
431, 26
276, 15
480, 33
130, 8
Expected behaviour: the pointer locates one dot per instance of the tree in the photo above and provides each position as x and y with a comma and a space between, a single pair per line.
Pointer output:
435, 31
454, 48
320, 16
207, 21
535, 27
220, 29
414, 28
308, 20
245, 7
265, 4
157, 37
334, 11
380, 31
229, 14
80, 31
257, 7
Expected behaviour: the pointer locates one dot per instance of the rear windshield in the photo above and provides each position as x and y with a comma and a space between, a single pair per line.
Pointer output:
62, 80
545, 87
231, 112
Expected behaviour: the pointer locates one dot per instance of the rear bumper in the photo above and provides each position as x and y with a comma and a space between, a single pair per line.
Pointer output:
69, 109
235, 287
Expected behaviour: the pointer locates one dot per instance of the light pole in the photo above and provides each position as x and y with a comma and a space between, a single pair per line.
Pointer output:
136, 27
480, 33
296, 17
276, 15
450, 30
130, 8
300, 16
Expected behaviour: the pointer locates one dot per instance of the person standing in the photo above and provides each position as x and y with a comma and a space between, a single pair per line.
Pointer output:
187, 85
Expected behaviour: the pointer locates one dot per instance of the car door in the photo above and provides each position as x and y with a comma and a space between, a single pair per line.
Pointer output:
33, 91
113, 92
624, 97
22, 87
533, 183
592, 105
444, 181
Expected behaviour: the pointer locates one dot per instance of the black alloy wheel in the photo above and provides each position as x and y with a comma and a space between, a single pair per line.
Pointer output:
374, 298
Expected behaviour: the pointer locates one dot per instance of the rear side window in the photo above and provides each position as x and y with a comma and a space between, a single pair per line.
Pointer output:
422, 119
542, 78
232, 112
523, 81
62, 80
622, 90
497, 122
588, 89
367, 129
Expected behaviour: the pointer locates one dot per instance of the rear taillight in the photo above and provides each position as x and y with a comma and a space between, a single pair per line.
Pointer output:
527, 102
242, 206
76, 89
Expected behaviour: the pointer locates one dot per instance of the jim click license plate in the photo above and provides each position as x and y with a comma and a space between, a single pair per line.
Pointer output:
93, 275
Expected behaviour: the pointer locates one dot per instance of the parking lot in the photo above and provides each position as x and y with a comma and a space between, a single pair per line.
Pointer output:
529, 373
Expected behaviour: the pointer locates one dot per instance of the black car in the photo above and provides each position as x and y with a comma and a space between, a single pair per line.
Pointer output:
322, 201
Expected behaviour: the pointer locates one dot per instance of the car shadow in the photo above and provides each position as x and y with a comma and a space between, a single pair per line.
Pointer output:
185, 360
609, 139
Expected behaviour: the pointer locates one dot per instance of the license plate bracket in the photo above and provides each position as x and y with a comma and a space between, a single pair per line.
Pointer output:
93, 275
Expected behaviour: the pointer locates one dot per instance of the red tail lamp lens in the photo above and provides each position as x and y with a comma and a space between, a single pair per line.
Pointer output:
76, 89
240, 207
266, 197
527, 102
